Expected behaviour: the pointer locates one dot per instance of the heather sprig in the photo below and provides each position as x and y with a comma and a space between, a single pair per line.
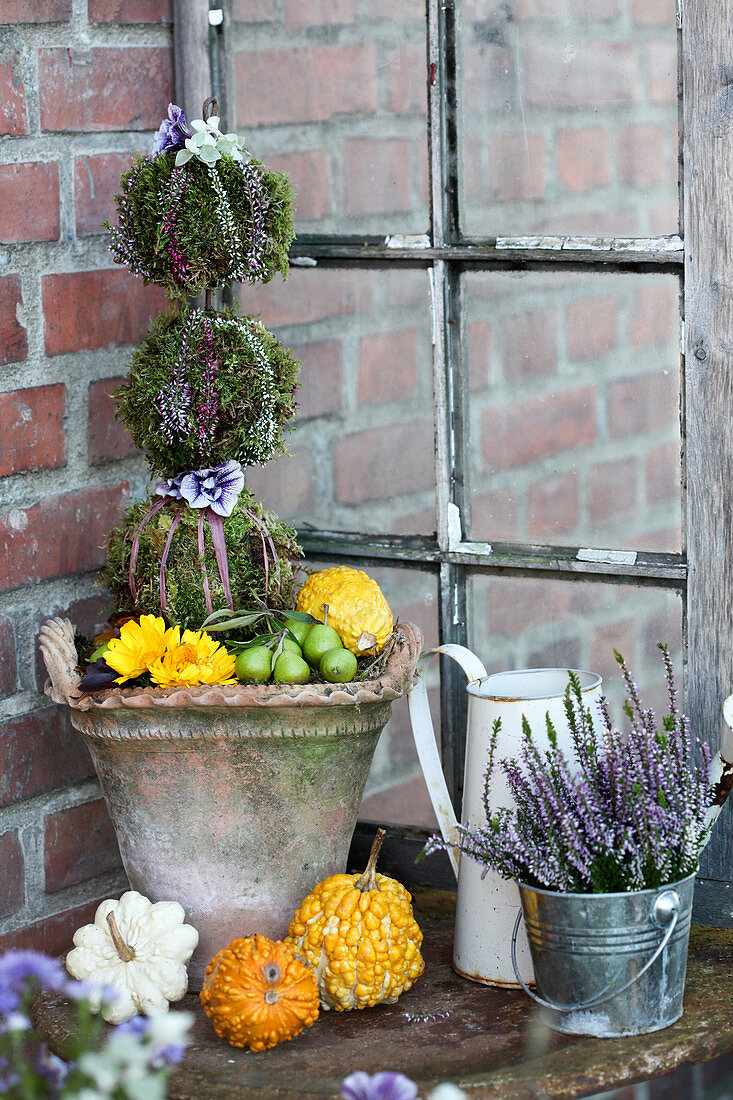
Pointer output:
625, 812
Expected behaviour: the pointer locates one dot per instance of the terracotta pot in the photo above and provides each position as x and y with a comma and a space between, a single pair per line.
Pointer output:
234, 801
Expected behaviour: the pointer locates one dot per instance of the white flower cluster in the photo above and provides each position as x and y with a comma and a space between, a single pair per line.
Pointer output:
262, 434
226, 221
127, 1064
209, 145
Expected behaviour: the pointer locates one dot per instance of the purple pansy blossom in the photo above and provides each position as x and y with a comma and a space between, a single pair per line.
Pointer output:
97, 677
171, 487
217, 488
173, 132
378, 1086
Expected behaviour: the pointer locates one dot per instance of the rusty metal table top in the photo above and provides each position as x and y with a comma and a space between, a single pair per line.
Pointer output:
490, 1042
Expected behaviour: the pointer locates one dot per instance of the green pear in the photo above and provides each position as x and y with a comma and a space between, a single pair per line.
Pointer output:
320, 639
338, 666
253, 666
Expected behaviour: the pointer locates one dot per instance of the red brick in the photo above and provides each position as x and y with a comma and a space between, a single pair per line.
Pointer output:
654, 320
382, 462
619, 634
591, 327
12, 870
530, 344
559, 653
494, 516
30, 207
641, 159
519, 604
655, 11
286, 485
662, 69
388, 369
377, 176
612, 490
107, 438
13, 340
638, 405
535, 427
309, 175
8, 664
79, 844
407, 87
304, 85
40, 752
253, 11
59, 537
553, 506
13, 118
321, 378
104, 88
599, 74
12, 893
36, 11
53, 935
130, 11
517, 167
318, 13
96, 182
583, 162
96, 309
32, 436
663, 473
479, 355
411, 523
310, 295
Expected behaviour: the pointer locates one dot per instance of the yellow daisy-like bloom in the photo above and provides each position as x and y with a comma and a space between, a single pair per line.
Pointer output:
198, 659
139, 645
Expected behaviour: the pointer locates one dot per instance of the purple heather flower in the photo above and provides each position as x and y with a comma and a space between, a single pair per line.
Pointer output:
378, 1086
173, 132
217, 488
171, 487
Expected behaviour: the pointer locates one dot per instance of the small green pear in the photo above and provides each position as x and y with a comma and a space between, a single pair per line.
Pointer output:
320, 639
253, 666
338, 666
290, 669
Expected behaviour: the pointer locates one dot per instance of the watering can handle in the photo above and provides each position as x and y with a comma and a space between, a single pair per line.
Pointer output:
665, 911
425, 743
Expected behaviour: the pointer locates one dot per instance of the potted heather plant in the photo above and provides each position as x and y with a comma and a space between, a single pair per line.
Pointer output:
232, 798
604, 846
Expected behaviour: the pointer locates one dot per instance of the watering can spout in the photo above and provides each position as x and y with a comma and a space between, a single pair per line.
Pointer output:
721, 768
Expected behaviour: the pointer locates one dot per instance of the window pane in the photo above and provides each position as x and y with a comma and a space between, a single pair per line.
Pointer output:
525, 622
569, 117
396, 792
362, 448
337, 98
574, 390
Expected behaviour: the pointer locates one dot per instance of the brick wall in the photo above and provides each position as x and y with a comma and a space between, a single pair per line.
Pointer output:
82, 85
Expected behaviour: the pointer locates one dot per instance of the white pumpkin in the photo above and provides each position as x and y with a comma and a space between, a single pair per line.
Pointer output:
137, 948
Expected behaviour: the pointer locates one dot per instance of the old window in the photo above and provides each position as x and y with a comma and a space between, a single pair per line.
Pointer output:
490, 295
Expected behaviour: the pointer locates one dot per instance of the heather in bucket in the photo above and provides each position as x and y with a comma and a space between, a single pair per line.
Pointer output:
628, 811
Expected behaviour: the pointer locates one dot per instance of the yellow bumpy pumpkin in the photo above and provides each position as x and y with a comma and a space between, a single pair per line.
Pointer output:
357, 609
358, 934
258, 994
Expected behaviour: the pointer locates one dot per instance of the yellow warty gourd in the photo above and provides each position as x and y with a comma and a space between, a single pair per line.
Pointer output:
359, 936
357, 609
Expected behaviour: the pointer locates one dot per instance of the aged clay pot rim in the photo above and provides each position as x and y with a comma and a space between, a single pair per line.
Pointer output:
396, 679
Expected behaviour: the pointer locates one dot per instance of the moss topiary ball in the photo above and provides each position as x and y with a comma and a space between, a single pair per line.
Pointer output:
206, 387
195, 227
248, 533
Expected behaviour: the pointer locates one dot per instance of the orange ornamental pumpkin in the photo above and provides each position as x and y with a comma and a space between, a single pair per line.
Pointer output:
257, 993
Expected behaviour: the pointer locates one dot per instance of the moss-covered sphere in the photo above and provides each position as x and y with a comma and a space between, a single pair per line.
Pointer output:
207, 387
191, 228
250, 582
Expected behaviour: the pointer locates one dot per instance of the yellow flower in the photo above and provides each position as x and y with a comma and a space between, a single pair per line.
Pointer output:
198, 659
139, 646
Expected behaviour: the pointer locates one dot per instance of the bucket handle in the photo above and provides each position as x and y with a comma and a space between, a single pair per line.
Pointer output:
426, 745
665, 913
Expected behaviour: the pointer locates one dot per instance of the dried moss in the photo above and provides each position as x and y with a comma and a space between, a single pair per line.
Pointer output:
213, 255
254, 384
184, 585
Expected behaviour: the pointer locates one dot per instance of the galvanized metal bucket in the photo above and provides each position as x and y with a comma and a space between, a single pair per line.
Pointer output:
608, 964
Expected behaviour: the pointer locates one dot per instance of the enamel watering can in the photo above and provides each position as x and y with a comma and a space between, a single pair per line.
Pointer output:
487, 904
